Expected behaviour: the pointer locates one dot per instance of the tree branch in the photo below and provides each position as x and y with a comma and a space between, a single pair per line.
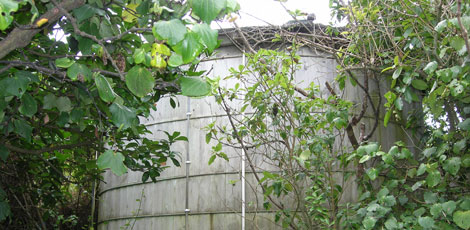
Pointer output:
50, 149
19, 38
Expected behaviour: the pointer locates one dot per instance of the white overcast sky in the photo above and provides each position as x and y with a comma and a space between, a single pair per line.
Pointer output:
251, 11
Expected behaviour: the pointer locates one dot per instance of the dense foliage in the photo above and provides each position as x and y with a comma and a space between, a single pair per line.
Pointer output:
409, 61
76, 78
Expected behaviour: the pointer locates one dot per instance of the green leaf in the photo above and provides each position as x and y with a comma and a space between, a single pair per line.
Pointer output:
64, 104
140, 81
23, 129
139, 56
441, 26
368, 148
391, 223
397, 72
122, 116
104, 88
15, 86
459, 146
175, 60
112, 160
86, 12
387, 117
426, 222
4, 152
452, 165
430, 67
372, 173
462, 219
212, 159
433, 178
194, 87
64, 62
49, 101
160, 49
465, 125
369, 222
430, 197
459, 45
4, 208
207, 10
417, 185
189, 48
419, 84
449, 207
28, 106
421, 170
305, 155
6, 8
466, 160
173, 31
208, 36
364, 158
436, 210
78, 71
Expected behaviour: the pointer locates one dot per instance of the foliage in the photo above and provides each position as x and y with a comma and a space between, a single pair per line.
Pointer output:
421, 49
77, 77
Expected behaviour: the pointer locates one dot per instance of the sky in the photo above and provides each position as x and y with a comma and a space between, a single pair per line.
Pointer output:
254, 12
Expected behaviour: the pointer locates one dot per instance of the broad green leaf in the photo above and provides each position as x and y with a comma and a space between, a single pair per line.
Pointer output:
462, 219
452, 165
369, 222
436, 210
140, 81
112, 160
194, 87
426, 222
391, 223
211, 159
15, 86
207, 10
86, 12
28, 106
122, 116
430, 67
445, 75
305, 155
429, 151
139, 56
433, 178
23, 129
175, 60
189, 48
64, 104
4, 209
419, 84
49, 101
430, 197
6, 8
465, 125
364, 158
417, 185
441, 26
173, 31
64, 62
459, 146
372, 173
105, 89
78, 71
368, 148
85, 45
466, 160
449, 207
4, 152
208, 36
459, 45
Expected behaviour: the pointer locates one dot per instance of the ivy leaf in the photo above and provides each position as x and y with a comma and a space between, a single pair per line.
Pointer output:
368, 149
369, 222
64, 62
419, 84
104, 88
208, 36
372, 173
458, 44
436, 210
140, 81
452, 165
466, 160
461, 219
459, 146
391, 223
207, 10
426, 222
173, 31
430, 67
6, 7
77, 69
194, 87
189, 48
122, 116
112, 160
449, 207
28, 106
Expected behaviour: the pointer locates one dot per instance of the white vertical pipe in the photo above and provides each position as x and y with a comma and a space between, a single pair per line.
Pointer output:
243, 170
188, 162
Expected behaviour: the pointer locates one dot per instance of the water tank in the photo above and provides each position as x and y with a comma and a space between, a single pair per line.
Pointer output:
213, 200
